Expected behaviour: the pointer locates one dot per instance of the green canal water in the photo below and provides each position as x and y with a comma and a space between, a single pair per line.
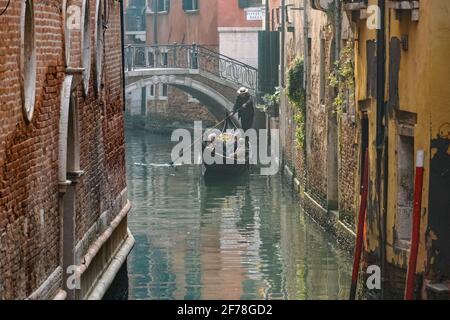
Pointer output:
228, 239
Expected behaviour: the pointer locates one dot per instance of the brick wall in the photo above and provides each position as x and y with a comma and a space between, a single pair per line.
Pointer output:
29, 214
181, 109
310, 164
29, 220
348, 169
102, 152
175, 112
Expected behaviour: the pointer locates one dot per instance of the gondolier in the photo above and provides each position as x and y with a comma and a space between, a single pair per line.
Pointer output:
244, 107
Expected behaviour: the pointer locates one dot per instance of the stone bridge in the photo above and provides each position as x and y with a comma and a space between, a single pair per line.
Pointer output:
206, 75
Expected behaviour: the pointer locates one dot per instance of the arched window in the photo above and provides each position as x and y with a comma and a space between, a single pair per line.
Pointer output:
28, 59
73, 152
86, 45
99, 45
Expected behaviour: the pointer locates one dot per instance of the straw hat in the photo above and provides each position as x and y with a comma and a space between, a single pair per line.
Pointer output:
212, 137
242, 90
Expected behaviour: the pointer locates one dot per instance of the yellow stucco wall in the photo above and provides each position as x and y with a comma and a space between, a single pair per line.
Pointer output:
424, 89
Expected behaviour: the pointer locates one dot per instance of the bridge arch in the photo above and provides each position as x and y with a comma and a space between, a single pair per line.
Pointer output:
212, 99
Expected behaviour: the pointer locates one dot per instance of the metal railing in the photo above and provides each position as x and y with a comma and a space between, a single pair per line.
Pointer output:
138, 57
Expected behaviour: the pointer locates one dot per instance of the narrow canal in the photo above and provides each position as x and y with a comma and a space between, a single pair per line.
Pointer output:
242, 239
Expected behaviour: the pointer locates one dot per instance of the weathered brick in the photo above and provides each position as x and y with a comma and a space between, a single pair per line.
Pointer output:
29, 154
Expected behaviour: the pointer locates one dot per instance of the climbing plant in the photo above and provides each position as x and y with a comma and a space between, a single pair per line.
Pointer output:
343, 78
296, 95
272, 102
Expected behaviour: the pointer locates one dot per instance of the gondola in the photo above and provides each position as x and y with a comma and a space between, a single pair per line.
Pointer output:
223, 169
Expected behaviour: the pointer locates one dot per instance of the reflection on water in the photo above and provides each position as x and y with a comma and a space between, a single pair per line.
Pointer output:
235, 239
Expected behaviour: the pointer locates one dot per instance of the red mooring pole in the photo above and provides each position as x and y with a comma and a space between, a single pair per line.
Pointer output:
361, 222
418, 184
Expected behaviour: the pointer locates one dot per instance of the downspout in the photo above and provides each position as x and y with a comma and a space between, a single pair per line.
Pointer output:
283, 36
122, 41
267, 21
381, 136
305, 78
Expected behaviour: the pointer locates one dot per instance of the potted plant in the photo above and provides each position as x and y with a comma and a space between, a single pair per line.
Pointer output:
272, 102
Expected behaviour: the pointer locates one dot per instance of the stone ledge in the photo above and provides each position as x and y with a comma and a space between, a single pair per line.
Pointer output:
110, 273
97, 245
100, 225
105, 254
49, 288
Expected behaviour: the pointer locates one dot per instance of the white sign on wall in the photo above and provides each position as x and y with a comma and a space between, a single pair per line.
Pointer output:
254, 14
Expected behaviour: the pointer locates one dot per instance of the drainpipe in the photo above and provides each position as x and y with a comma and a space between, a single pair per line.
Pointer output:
305, 75
267, 20
306, 41
122, 42
283, 36
381, 137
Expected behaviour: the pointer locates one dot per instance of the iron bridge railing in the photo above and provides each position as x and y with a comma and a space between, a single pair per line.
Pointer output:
138, 57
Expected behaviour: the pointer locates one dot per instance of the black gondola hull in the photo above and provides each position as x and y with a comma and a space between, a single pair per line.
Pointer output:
224, 170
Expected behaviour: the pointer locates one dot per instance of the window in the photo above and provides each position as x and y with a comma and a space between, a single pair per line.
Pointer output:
151, 59
86, 42
249, 3
151, 91
139, 24
28, 60
159, 5
190, 5
163, 91
405, 185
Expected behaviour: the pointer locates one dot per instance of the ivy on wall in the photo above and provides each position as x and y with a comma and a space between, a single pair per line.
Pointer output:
343, 78
296, 95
